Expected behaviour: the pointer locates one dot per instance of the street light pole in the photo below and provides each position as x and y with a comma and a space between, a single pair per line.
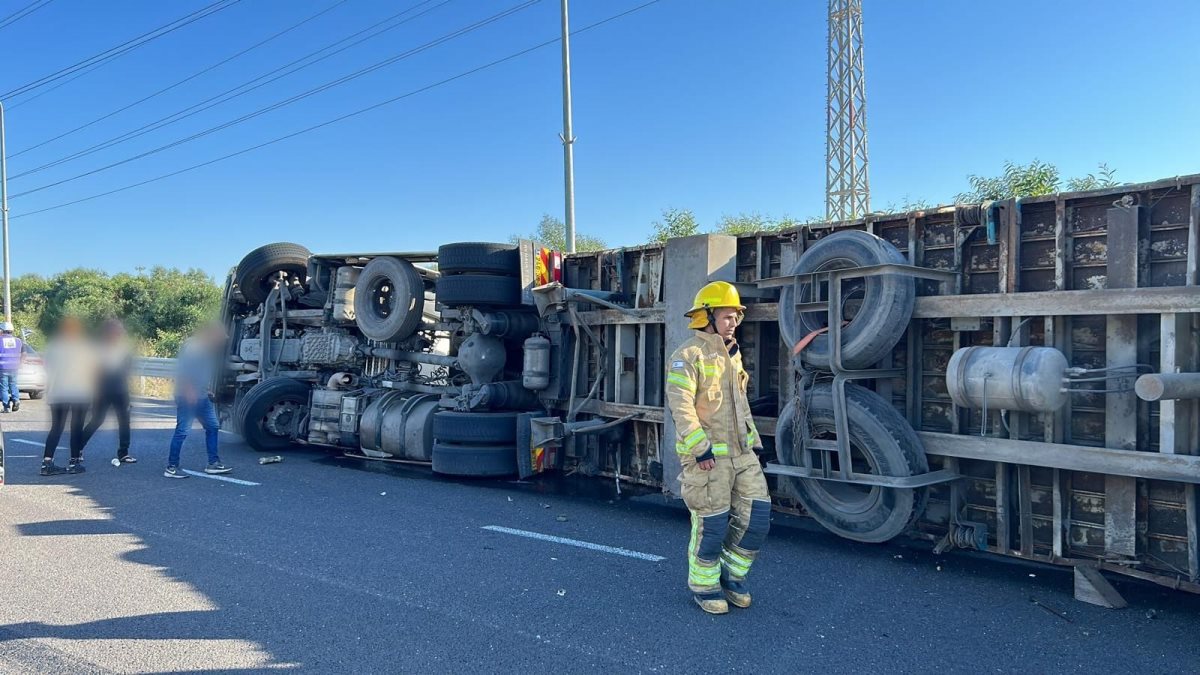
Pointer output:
4, 216
568, 139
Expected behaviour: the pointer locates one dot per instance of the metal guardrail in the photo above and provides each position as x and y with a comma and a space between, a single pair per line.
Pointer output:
151, 366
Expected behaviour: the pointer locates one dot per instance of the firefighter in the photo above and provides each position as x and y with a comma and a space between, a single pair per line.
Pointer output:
715, 437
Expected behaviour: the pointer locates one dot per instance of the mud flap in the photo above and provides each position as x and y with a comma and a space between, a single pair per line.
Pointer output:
532, 458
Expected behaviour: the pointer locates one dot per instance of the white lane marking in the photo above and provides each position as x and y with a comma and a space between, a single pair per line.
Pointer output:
227, 479
40, 445
575, 542
8, 456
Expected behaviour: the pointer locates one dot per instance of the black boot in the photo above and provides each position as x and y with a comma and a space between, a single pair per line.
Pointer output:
49, 468
16, 406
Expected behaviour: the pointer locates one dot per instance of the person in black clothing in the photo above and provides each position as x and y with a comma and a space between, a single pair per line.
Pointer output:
112, 387
70, 387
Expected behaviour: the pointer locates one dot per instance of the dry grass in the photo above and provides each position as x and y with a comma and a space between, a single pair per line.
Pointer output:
152, 387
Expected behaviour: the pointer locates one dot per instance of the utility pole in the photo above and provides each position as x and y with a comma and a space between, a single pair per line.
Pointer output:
847, 190
568, 139
4, 216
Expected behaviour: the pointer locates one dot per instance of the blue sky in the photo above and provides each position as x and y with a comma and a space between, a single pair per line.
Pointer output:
716, 106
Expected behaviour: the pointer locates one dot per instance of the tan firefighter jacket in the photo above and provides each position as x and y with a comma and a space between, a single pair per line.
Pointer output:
706, 394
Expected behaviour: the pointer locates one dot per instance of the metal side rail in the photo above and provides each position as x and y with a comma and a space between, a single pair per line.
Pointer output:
151, 366
915, 481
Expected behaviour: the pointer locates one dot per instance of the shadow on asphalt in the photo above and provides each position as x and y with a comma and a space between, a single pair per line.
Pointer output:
59, 528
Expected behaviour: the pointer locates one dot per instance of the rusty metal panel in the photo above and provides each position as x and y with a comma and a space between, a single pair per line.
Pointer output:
1055, 258
1120, 409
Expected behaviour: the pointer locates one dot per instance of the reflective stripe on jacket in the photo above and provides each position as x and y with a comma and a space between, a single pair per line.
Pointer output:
706, 395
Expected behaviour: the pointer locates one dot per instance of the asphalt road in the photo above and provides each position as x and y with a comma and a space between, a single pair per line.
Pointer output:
344, 566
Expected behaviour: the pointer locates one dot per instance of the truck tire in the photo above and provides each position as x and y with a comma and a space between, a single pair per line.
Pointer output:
478, 290
882, 442
887, 301
269, 410
463, 258
479, 461
389, 299
256, 273
475, 427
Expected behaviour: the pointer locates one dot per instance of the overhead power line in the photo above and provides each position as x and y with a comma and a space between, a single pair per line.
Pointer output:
121, 49
245, 87
23, 12
185, 80
78, 74
341, 118
298, 97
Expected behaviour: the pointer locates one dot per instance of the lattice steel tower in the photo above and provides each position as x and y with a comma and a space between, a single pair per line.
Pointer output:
847, 190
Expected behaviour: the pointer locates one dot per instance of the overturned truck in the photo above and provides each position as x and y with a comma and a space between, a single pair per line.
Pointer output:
1017, 376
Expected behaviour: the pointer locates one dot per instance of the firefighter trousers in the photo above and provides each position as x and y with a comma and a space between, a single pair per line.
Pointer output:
731, 513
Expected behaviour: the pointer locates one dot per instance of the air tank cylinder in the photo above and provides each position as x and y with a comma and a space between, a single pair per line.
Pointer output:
1028, 379
535, 371
343, 293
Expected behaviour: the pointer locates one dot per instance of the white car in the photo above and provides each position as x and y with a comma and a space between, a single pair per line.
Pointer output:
31, 379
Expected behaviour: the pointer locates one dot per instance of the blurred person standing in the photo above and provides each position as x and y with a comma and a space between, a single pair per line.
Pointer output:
196, 366
70, 389
115, 360
12, 353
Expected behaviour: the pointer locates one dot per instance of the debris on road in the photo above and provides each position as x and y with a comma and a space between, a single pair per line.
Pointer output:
561, 519
1051, 610
274, 459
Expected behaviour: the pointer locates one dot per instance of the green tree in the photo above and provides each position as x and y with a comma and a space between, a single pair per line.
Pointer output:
749, 223
159, 308
744, 223
675, 223
552, 233
1104, 177
906, 204
1018, 180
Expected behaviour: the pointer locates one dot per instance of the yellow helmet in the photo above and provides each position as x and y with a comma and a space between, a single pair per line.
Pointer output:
711, 296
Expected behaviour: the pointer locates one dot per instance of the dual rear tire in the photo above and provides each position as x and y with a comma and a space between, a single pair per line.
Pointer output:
475, 443
479, 274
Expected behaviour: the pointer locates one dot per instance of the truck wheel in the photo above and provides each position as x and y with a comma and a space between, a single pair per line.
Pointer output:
268, 413
456, 459
479, 257
256, 273
884, 309
881, 441
478, 289
389, 299
475, 427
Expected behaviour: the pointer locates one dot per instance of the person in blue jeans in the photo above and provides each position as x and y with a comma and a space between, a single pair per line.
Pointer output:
11, 354
197, 364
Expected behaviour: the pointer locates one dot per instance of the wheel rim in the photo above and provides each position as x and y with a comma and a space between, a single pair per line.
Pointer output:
280, 418
846, 498
284, 277
853, 289
383, 298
